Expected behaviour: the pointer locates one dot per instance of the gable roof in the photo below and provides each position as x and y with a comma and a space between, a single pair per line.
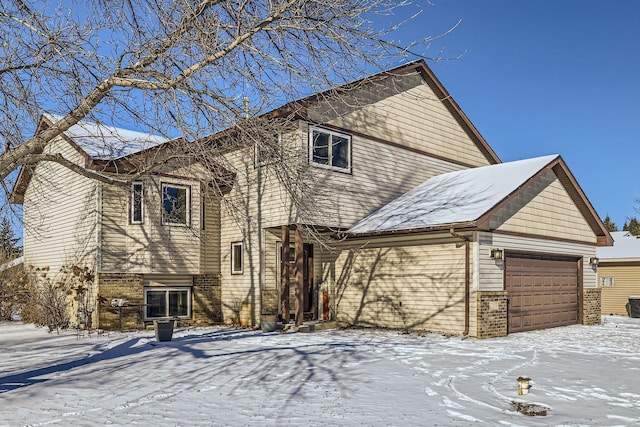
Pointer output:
104, 148
300, 107
467, 198
626, 247
102, 142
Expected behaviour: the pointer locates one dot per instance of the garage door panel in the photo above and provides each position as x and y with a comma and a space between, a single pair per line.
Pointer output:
542, 292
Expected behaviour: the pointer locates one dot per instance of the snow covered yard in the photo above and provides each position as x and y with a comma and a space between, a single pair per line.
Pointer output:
225, 376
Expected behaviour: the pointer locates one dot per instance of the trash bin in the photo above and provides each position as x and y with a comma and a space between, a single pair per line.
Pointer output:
164, 329
268, 322
634, 306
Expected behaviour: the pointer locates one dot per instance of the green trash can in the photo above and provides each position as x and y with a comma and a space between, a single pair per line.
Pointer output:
634, 306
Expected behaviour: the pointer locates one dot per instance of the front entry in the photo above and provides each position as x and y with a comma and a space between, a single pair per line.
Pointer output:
308, 305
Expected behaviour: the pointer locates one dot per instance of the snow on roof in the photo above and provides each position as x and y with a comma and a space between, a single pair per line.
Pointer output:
107, 142
625, 245
453, 197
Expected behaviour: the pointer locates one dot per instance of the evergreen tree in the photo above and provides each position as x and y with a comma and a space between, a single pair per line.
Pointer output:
9, 248
633, 226
610, 225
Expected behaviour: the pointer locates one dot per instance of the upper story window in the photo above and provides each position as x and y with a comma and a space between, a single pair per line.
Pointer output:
175, 204
269, 151
329, 149
137, 197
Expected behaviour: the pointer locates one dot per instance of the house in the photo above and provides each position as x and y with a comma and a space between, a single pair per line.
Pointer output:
619, 272
375, 204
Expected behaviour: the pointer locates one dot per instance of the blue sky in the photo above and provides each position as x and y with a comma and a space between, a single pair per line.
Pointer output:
545, 77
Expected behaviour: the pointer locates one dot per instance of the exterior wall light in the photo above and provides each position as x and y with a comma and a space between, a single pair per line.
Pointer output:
497, 254
594, 261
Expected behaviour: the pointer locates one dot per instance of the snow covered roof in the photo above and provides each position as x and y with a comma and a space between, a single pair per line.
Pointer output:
451, 198
625, 246
103, 142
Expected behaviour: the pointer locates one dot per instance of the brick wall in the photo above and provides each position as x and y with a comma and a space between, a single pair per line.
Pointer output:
207, 300
492, 314
120, 285
591, 306
206, 307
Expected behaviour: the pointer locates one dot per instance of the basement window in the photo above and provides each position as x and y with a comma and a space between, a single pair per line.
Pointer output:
166, 303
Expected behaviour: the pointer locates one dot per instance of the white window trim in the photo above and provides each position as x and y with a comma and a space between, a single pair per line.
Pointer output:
166, 290
133, 193
329, 166
233, 258
261, 162
188, 205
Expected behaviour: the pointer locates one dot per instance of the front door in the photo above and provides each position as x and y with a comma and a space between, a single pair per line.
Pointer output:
308, 306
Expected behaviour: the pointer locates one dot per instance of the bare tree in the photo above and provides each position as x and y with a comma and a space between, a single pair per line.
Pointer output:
176, 67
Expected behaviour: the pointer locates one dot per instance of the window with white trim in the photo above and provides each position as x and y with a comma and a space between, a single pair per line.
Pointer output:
176, 200
329, 149
163, 303
137, 198
237, 254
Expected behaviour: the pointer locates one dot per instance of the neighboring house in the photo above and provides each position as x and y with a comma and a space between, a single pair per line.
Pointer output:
619, 272
402, 216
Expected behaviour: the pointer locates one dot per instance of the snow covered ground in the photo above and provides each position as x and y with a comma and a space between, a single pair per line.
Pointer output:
224, 376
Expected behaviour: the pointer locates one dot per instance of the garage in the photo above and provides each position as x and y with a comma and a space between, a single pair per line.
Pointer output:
542, 291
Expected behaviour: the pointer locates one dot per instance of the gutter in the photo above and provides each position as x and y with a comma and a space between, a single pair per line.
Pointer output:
467, 278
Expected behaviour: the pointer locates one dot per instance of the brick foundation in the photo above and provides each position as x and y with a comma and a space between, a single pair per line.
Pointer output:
591, 306
120, 285
492, 314
207, 300
206, 306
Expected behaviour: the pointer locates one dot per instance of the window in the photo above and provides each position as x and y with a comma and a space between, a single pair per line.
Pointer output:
167, 302
330, 149
137, 193
175, 204
269, 151
236, 258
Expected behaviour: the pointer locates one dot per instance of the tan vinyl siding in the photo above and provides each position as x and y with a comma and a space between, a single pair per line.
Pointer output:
379, 174
210, 244
626, 276
60, 214
415, 117
551, 213
154, 247
415, 287
167, 280
418, 120
492, 271
114, 256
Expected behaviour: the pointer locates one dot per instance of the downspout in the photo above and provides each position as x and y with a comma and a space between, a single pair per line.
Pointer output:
467, 277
